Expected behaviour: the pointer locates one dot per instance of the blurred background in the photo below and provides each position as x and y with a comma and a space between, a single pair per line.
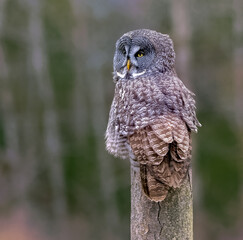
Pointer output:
56, 179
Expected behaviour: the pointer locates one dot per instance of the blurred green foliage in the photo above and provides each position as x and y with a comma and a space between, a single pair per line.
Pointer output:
219, 169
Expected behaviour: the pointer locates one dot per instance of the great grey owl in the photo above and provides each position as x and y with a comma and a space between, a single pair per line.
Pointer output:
152, 113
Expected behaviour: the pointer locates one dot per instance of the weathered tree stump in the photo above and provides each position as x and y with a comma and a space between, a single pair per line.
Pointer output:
171, 219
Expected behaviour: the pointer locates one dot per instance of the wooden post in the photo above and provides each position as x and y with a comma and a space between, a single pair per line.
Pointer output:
171, 219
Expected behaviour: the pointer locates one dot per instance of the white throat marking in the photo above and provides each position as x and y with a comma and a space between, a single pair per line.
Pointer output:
121, 75
138, 74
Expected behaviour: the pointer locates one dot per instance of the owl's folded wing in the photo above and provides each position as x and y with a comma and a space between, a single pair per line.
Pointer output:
163, 150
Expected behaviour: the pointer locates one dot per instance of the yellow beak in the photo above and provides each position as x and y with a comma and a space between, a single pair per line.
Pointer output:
128, 64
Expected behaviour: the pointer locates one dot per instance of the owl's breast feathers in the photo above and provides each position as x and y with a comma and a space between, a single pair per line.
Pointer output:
137, 103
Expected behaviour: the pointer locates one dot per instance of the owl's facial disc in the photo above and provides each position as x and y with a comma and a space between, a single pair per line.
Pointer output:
133, 57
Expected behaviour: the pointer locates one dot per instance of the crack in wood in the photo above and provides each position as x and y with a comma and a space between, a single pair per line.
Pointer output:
158, 217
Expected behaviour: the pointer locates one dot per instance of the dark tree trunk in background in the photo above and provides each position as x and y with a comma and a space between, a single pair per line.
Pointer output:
11, 152
166, 220
238, 79
181, 31
238, 61
37, 58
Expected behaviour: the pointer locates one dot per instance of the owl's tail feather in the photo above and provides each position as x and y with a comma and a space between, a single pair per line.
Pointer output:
155, 190
158, 179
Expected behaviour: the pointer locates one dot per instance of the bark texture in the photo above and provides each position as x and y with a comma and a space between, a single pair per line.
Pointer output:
171, 219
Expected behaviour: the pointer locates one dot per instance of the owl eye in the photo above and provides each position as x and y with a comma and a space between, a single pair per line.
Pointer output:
140, 53
123, 51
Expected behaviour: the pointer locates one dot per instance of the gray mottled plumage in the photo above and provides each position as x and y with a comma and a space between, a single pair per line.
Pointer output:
152, 113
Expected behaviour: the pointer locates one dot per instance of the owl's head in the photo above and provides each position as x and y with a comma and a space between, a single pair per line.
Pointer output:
142, 52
